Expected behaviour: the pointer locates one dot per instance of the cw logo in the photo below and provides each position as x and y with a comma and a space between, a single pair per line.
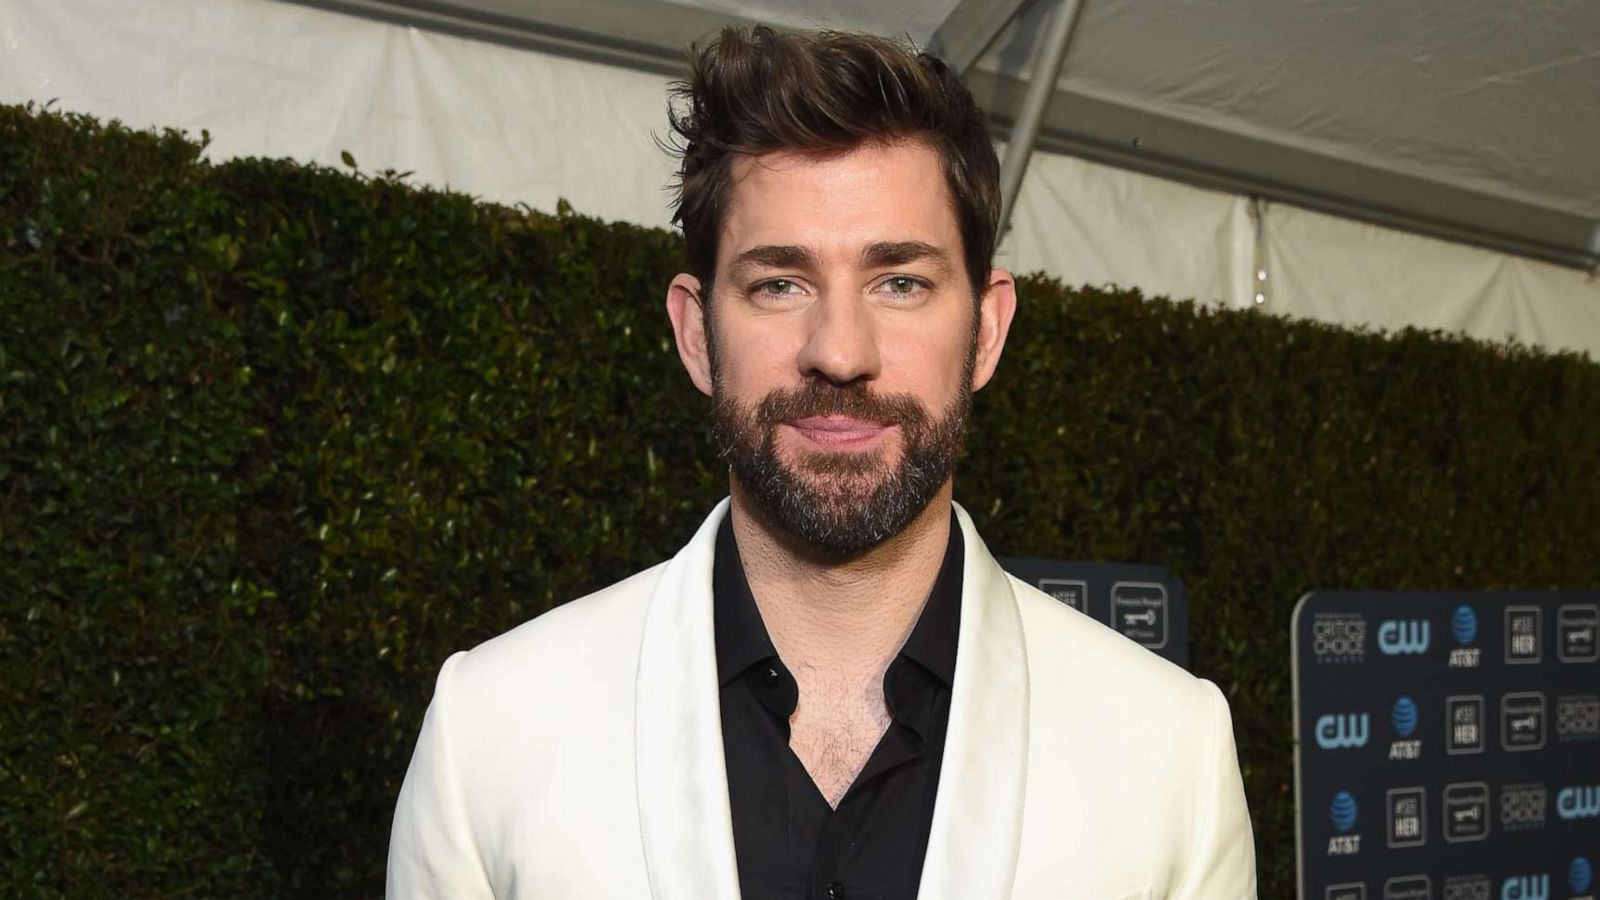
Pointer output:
1526, 887
1581, 802
1334, 732
1403, 636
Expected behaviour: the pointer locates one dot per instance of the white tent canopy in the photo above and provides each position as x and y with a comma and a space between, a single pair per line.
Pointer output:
1377, 164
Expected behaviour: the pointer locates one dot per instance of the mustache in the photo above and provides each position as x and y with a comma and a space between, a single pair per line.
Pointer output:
856, 400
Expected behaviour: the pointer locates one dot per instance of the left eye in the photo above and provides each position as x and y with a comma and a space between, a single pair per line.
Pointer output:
901, 284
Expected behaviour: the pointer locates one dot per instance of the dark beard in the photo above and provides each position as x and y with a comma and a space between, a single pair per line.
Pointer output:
852, 501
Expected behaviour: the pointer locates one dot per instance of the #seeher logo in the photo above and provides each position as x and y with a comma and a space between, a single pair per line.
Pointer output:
1404, 716
1397, 636
1343, 812
1465, 625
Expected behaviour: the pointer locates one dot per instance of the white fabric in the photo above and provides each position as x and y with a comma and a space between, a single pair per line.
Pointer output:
275, 79
1337, 270
1092, 224
1501, 98
580, 756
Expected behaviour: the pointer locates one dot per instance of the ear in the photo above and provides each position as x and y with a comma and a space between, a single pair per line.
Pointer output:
684, 308
995, 310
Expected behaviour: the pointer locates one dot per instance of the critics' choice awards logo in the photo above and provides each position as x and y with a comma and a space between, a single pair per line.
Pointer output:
1522, 806
1466, 812
1403, 636
1335, 732
1339, 637
1578, 802
1578, 717
1526, 887
1342, 812
1403, 717
1467, 887
1464, 627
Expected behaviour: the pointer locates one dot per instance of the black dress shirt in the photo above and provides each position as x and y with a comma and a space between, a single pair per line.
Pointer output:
790, 845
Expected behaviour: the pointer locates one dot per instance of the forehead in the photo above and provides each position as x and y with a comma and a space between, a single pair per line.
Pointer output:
838, 203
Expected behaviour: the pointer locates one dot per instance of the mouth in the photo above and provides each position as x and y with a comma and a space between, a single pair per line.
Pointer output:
839, 432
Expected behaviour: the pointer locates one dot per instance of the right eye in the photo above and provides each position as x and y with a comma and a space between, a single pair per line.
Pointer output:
778, 287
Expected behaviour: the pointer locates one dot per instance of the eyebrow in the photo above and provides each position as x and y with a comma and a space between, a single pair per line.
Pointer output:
775, 256
882, 254
886, 254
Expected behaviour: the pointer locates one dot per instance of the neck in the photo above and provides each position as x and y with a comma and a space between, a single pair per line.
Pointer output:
847, 619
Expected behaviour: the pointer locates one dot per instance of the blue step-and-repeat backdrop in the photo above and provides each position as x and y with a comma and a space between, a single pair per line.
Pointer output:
1447, 746
1145, 603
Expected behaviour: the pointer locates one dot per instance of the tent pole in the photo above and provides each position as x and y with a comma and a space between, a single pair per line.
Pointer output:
1046, 69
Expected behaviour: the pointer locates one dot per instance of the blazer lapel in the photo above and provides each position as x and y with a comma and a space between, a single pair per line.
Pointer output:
977, 816
682, 778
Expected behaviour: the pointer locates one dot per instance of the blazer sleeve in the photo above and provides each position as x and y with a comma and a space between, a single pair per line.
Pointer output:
1222, 859
432, 852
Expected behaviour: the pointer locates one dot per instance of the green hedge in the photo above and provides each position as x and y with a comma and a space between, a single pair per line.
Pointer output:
275, 439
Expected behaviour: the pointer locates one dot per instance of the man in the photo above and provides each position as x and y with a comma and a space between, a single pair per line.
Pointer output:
833, 691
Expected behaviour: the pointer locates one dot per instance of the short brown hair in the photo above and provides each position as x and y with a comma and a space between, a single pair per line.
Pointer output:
757, 91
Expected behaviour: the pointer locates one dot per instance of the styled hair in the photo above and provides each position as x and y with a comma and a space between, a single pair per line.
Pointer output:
755, 91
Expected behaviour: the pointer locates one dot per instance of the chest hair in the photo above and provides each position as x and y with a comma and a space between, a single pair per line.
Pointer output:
835, 728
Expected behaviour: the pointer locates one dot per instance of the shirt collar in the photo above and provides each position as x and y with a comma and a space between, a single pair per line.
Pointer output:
742, 639
741, 636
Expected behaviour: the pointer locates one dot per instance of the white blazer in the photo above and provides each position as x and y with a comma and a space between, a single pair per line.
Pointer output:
580, 756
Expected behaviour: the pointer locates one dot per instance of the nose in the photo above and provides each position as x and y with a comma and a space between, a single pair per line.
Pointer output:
841, 340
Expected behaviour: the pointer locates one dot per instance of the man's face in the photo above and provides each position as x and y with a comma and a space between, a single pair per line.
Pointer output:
844, 336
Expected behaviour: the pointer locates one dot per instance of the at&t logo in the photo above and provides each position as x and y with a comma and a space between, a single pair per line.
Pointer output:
1404, 718
1397, 636
1338, 731
1526, 887
1580, 875
1464, 626
1578, 802
1342, 813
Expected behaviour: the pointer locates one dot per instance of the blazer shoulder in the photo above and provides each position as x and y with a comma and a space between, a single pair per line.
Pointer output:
1145, 745
601, 628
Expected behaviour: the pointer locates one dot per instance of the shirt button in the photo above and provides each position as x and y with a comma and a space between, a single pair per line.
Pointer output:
836, 891
772, 677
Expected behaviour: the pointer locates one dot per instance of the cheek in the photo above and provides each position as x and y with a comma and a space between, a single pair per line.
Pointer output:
926, 359
752, 360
